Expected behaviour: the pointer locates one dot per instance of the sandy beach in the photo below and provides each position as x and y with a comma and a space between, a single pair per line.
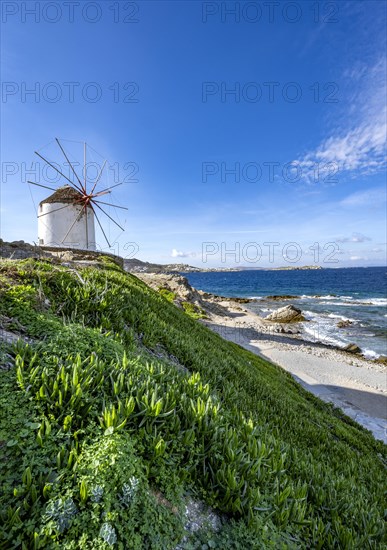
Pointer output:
357, 385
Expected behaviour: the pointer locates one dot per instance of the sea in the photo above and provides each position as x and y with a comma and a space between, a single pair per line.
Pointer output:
325, 297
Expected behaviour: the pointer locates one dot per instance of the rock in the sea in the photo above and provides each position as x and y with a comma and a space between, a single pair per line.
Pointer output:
382, 359
278, 298
343, 324
352, 348
287, 314
241, 300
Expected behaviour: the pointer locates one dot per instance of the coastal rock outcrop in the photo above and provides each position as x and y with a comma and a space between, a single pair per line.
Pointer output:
176, 284
241, 300
344, 324
352, 348
287, 314
20, 250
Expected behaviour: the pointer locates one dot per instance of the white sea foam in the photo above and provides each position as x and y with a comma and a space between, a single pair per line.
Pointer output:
308, 314
355, 303
315, 297
341, 317
348, 300
345, 300
370, 354
378, 301
321, 326
321, 333
320, 329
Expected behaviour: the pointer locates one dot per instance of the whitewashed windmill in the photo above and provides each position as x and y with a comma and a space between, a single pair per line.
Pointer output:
66, 218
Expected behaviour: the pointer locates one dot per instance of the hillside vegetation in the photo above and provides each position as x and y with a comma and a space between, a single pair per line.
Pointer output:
116, 407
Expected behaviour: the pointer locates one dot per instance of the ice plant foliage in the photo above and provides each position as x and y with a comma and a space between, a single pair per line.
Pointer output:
104, 438
61, 512
108, 534
129, 491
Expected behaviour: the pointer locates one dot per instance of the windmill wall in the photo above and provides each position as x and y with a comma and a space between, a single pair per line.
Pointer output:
53, 227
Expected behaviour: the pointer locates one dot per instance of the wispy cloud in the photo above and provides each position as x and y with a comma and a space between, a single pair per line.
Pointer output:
355, 238
356, 258
375, 196
358, 145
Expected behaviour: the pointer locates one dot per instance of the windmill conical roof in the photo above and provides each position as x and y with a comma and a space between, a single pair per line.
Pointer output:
66, 194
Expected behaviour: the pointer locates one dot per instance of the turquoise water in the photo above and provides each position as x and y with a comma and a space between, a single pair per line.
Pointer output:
325, 296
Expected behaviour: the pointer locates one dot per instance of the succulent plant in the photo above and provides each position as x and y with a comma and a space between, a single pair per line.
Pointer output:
108, 534
96, 493
61, 512
129, 491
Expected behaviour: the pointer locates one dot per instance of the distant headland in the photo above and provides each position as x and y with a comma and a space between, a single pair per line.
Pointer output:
137, 266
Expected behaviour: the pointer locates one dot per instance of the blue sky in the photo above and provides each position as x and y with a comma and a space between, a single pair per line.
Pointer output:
233, 124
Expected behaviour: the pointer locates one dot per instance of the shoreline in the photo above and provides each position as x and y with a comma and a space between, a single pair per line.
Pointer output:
350, 381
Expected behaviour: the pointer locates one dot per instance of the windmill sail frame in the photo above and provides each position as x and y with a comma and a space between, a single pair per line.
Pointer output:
81, 202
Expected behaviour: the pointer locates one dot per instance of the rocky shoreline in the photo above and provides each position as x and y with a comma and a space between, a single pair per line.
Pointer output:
283, 320
341, 376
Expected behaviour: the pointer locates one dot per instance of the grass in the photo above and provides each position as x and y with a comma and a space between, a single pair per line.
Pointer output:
95, 428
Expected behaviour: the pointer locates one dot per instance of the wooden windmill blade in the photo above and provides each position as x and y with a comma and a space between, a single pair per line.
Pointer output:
66, 218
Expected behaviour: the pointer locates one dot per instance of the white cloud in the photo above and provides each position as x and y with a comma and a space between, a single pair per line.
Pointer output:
178, 254
355, 238
376, 196
360, 147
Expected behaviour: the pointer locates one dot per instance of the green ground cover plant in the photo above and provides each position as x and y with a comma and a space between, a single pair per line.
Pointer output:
102, 440
193, 310
168, 294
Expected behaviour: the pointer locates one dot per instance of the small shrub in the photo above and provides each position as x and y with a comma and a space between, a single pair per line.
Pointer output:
168, 294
